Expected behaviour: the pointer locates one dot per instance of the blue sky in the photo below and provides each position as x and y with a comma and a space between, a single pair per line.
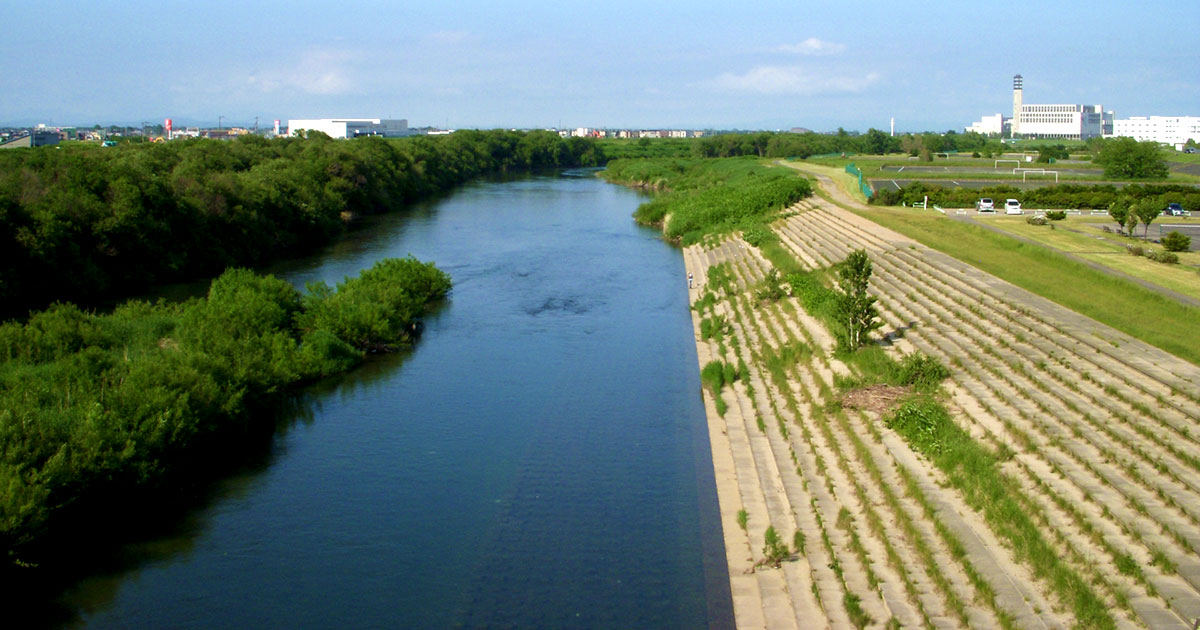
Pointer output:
932, 65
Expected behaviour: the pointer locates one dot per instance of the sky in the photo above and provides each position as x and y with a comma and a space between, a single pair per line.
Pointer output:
762, 64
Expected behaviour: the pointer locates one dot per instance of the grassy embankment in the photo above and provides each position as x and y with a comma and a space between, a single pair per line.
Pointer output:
100, 414
921, 419
970, 467
1134, 310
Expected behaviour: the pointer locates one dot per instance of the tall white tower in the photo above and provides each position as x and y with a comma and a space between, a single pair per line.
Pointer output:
1018, 93
893, 125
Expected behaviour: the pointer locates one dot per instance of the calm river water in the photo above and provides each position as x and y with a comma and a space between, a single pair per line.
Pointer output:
540, 458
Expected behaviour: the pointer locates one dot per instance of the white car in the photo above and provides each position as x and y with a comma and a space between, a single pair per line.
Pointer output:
985, 205
1012, 206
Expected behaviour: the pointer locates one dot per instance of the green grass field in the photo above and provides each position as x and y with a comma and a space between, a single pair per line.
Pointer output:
966, 167
1132, 309
1082, 237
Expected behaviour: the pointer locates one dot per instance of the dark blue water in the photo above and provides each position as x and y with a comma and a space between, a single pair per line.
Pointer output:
539, 459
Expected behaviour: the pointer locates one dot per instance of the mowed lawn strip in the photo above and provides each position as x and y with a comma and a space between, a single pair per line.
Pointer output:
1085, 240
1134, 310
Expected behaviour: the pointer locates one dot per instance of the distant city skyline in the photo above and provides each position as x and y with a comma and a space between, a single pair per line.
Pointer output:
772, 65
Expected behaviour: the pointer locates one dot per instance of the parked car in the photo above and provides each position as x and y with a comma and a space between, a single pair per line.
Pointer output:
1173, 210
985, 205
1012, 206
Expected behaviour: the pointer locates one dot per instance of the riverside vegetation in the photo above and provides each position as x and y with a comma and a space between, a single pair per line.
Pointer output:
1047, 483
82, 222
99, 413
703, 196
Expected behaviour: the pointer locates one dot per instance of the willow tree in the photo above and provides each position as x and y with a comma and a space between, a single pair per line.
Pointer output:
856, 308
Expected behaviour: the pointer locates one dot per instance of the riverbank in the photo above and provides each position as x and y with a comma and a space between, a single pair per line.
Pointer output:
1090, 430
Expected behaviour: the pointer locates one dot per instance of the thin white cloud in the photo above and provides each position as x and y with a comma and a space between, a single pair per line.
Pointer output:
813, 47
318, 71
790, 80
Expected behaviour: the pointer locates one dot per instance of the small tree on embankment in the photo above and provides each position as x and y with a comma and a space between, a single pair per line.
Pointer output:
856, 308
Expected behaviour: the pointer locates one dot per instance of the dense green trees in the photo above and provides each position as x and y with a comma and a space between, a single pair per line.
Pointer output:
81, 222
1126, 158
96, 410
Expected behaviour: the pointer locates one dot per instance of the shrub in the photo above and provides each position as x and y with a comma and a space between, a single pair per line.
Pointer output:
1176, 242
729, 373
922, 421
921, 371
1136, 250
1056, 215
379, 309
713, 375
775, 551
1163, 257
1035, 219
714, 327
759, 235
771, 288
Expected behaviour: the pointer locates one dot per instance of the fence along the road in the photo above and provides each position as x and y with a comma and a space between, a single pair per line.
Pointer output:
862, 185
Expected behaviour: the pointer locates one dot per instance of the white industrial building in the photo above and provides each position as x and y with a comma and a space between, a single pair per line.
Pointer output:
1057, 121
989, 125
351, 127
1172, 130
1053, 121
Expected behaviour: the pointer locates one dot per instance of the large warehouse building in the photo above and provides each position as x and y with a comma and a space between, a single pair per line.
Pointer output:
351, 127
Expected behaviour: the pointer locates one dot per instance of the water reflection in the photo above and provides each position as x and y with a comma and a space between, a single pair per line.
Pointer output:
538, 459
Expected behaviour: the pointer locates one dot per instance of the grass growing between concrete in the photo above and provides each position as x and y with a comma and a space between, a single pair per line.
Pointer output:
1136, 311
975, 472
927, 426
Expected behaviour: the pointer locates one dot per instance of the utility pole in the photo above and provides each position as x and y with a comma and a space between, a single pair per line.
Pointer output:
219, 119
256, 125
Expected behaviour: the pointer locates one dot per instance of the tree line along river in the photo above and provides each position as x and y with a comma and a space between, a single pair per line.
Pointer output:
538, 459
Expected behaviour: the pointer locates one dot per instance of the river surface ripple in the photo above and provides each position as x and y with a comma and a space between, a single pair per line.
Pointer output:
540, 459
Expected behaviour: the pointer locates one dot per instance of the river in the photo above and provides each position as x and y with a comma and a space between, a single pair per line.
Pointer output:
539, 459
